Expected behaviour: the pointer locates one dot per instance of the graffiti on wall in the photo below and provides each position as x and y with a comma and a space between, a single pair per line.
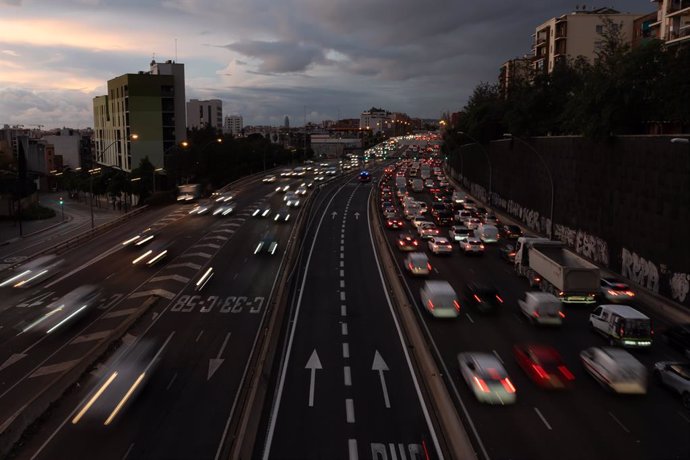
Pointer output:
640, 270
590, 246
680, 285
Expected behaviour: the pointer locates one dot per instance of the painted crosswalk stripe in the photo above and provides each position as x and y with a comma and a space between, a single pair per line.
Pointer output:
181, 279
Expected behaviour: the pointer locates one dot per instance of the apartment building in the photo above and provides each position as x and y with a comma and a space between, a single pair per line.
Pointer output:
143, 115
233, 125
672, 23
203, 114
576, 34
518, 69
376, 120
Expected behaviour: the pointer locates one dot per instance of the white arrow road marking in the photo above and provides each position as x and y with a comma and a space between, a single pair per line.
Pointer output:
357, 215
13, 359
159, 292
313, 364
185, 265
214, 363
380, 366
181, 279
333, 214
199, 254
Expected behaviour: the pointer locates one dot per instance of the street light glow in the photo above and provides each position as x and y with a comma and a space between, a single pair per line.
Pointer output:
680, 140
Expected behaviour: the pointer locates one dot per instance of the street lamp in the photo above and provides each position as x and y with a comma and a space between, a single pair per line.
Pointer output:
680, 140
154, 177
92, 172
548, 172
132, 136
488, 160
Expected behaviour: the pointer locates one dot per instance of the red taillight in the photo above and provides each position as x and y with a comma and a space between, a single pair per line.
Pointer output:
431, 305
481, 384
411, 266
561, 314
540, 371
537, 279
566, 372
457, 305
511, 254
415, 242
498, 297
508, 385
428, 265
476, 297
630, 293
536, 314
481, 246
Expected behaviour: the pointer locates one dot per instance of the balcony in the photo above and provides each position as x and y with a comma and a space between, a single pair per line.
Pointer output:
678, 7
682, 34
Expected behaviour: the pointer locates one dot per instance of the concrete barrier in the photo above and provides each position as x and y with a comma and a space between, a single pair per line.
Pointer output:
12, 430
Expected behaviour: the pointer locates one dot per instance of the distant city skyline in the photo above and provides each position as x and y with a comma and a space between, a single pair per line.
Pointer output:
265, 60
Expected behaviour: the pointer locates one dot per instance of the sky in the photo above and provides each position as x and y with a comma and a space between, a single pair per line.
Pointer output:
311, 60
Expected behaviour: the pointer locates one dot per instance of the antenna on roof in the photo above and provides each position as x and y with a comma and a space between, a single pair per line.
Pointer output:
176, 50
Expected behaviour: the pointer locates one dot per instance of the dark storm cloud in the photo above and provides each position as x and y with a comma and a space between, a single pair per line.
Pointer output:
280, 57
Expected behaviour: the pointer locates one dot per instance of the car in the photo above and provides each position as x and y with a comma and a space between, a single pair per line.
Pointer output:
543, 364
292, 201
443, 218
437, 207
407, 242
417, 264
283, 215
152, 256
459, 231
65, 310
473, 223
261, 211
386, 204
395, 223
282, 188
440, 245
417, 220
615, 291
200, 210
224, 210
429, 183
491, 219
427, 230
223, 197
391, 212
512, 232
439, 299
507, 252
140, 239
301, 190
471, 245
616, 369
267, 244
678, 337
484, 297
35, 271
463, 216
676, 376
487, 378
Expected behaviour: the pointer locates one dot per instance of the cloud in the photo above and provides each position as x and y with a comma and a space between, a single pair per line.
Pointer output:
11, 2
280, 57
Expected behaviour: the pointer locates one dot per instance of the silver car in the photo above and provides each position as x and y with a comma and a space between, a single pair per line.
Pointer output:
676, 376
487, 378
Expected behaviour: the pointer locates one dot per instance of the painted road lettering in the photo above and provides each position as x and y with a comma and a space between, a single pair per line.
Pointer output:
382, 451
230, 304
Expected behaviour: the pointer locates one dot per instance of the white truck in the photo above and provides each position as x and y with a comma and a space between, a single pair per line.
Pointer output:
556, 270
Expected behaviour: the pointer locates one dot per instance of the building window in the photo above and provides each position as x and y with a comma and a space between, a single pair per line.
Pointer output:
600, 29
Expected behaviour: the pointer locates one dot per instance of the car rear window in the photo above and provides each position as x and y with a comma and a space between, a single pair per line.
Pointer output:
475, 243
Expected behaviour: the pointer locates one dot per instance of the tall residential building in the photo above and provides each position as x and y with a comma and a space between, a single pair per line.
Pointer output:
233, 125
376, 120
518, 69
67, 143
149, 104
202, 114
672, 23
576, 34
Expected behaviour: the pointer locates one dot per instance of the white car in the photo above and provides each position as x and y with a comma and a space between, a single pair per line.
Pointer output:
457, 232
471, 245
427, 230
291, 199
418, 220
44, 267
283, 215
440, 245
675, 375
417, 264
200, 210
616, 369
487, 378
261, 212
269, 179
301, 190
223, 211
282, 188
472, 223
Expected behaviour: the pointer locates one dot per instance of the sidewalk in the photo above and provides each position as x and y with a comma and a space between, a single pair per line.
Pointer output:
71, 215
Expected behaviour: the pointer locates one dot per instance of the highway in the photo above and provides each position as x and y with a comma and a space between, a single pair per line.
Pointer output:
583, 422
200, 340
345, 376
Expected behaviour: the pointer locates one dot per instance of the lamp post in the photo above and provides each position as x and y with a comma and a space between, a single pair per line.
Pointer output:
488, 160
92, 172
548, 172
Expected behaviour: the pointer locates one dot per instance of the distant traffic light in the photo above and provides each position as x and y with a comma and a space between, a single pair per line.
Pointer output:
62, 201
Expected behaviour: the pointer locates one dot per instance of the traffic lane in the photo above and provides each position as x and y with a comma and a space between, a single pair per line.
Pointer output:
501, 335
194, 320
324, 429
382, 383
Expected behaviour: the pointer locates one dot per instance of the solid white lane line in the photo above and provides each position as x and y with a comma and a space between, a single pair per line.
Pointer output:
131, 446
346, 350
199, 336
542, 418
619, 423
342, 255
352, 449
172, 380
350, 410
342, 283
342, 248
469, 317
347, 376
343, 310
342, 263
343, 328
497, 356
342, 273
342, 241
436, 269
342, 296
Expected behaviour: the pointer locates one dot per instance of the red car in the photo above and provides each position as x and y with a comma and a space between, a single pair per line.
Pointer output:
395, 223
543, 364
407, 242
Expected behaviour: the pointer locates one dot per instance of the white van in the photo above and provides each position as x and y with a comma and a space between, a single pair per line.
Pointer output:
615, 368
439, 299
623, 325
542, 308
487, 233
